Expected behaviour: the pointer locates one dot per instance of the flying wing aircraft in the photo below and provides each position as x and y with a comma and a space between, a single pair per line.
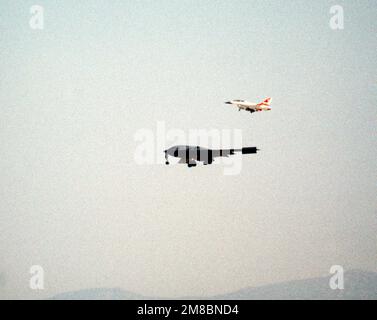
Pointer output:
250, 106
192, 154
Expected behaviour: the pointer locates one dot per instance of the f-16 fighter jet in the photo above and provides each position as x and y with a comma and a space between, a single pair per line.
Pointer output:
251, 106
192, 154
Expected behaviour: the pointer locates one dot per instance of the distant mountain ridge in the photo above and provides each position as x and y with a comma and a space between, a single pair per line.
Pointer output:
357, 285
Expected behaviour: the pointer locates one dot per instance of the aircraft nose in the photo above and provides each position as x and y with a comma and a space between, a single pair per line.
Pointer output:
228, 102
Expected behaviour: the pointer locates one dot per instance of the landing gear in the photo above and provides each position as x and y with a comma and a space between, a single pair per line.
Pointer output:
166, 158
208, 162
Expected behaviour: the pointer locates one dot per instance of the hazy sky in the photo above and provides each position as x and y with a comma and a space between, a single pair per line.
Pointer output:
73, 95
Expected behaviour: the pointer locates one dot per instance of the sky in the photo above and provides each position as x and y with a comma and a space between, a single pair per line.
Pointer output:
74, 95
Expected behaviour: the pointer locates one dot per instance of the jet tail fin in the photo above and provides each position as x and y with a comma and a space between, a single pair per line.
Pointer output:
267, 101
